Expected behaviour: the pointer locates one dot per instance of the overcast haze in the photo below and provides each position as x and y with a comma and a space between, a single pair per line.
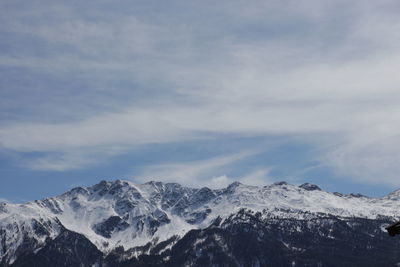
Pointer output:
199, 92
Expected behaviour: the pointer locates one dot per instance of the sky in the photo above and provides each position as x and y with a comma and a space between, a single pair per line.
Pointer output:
202, 93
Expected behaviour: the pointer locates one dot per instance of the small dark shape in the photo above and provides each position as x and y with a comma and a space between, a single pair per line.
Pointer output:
281, 183
112, 224
310, 187
394, 229
357, 195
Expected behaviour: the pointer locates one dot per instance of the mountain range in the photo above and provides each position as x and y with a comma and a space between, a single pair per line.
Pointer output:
120, 223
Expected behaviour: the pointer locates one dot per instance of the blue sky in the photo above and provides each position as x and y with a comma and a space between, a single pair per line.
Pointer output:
199, 92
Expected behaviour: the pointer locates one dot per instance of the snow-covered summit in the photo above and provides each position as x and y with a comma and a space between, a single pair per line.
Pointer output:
395, 195
121, 213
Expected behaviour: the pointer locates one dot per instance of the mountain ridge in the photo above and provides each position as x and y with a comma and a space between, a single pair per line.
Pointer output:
114, 214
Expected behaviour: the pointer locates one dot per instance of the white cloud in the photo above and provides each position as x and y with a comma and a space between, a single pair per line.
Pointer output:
218, 182
325, 72
258, 177
70, 159
209, 172
372, 160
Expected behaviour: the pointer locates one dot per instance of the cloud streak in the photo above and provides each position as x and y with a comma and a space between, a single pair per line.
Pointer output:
211, 172
325, 73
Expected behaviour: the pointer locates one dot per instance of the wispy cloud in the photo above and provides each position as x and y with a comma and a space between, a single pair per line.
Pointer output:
323, 72
73, 159
211, 172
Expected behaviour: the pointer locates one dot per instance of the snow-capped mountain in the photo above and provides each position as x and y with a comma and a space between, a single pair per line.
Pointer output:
121, 221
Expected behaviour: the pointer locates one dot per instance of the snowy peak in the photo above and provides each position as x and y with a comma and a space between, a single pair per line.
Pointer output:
395, 195
120, 213
234, 185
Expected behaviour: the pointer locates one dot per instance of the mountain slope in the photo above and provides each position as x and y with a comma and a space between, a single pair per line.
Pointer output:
124, 222
257, 239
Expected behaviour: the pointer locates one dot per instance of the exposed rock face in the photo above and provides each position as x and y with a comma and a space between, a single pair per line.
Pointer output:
112, 224
309, 187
